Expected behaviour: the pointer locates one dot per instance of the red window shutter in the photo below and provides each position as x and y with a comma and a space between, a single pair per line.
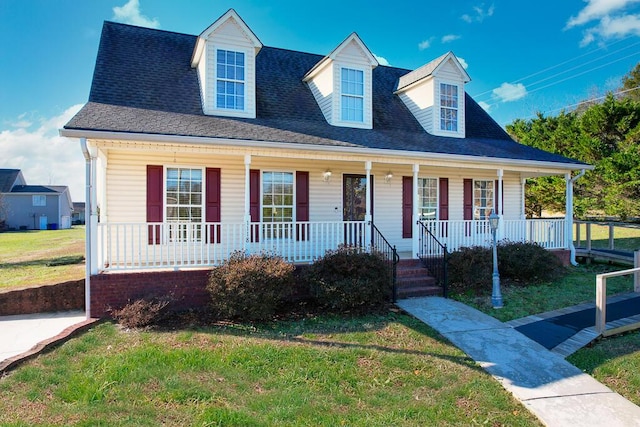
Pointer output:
302, 204
254, 203
154, 201
467, 187
407, 207
444, 199
443, 213
467, 203
212, 203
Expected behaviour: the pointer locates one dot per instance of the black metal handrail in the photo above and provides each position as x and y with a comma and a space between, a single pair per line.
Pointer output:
389, 254
433, 253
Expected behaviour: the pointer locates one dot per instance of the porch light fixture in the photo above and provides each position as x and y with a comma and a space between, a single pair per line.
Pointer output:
496, 296
326, 175
388, 176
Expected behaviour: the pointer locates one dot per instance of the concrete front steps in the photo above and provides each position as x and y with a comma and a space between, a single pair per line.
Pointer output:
414, 280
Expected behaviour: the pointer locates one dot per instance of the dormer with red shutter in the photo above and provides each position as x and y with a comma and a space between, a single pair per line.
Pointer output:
225, 56
434, 93
341, 84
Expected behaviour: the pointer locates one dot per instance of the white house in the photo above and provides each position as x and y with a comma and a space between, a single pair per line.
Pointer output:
198, 146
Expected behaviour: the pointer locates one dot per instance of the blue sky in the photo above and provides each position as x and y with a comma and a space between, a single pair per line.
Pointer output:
522, 57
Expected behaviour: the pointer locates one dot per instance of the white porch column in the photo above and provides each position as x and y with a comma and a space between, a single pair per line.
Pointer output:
523, 212
499, 207
367, 213
91, 246
568, 219
247, 200
416, 213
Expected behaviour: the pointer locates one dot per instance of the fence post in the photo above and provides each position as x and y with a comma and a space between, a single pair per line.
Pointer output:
588, 236
636, 275
601, 303
578, 240
611, 236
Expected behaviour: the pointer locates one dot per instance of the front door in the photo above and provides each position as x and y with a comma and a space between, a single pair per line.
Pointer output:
354, 207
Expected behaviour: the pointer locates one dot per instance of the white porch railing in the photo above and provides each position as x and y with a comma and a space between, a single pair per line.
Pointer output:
548, 233
142, 246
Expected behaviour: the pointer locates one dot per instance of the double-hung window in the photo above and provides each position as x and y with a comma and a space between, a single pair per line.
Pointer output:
183, 202
428, 198
277, 204
38, 200
352, 96
448, 107
230, 79
483, 199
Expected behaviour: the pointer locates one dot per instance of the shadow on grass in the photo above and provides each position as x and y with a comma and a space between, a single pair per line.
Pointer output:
47, 262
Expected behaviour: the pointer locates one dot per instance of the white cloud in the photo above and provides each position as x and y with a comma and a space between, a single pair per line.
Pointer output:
381, 60
463, 62
597, 9
130, 14
45, 157
425, 44
479, 14
486, 107
508, 92
611, 20
450, 37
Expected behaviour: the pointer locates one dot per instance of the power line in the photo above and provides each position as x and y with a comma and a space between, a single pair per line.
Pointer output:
566, 107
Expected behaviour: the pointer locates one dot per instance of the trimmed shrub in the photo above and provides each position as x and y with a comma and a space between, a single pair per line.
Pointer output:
141, 313
349, 279
525, 262
249, 287
470, 269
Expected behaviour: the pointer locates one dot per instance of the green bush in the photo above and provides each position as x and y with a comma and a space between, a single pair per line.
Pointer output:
249, 287
470, 269
349, 279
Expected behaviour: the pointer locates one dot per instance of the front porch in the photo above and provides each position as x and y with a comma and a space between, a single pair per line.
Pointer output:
181, 245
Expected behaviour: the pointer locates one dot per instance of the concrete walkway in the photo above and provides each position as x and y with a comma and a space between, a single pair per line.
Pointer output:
23, 336
554, 390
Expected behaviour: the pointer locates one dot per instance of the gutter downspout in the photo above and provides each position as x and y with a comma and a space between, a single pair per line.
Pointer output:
569, 219
87, 232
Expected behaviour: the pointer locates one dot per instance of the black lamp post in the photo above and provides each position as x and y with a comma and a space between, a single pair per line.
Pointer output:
496, 296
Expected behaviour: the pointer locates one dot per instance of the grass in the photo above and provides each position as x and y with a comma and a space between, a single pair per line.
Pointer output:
380, 370
576, 287
40, 257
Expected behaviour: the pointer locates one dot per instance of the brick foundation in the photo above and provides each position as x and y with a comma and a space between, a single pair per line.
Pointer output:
564, 255
186, 288
42, 299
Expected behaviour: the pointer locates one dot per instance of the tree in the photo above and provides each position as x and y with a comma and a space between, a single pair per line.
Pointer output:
631, 82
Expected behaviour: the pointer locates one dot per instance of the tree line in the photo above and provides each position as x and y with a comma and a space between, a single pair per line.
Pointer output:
604, 134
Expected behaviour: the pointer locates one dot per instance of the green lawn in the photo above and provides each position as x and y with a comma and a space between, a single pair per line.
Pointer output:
386, 370
39, 257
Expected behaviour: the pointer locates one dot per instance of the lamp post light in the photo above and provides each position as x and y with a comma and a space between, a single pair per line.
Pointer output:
496, 296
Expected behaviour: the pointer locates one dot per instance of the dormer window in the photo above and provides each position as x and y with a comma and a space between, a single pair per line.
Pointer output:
230, 80
448, 107
352, 95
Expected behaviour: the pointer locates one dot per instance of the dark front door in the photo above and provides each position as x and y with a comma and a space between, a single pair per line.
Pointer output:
355, 207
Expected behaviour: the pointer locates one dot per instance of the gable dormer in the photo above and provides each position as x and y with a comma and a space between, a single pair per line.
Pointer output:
434, 93
341, 84
225, 56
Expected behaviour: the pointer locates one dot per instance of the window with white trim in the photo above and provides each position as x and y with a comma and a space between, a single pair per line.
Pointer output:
352, 95
277, 204
483, 198
184, 203
230, 79
448, 107
428, 198
38, 200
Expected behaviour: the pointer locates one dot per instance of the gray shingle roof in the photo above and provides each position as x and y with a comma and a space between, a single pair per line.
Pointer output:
39, 189
7, 179
143, 83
